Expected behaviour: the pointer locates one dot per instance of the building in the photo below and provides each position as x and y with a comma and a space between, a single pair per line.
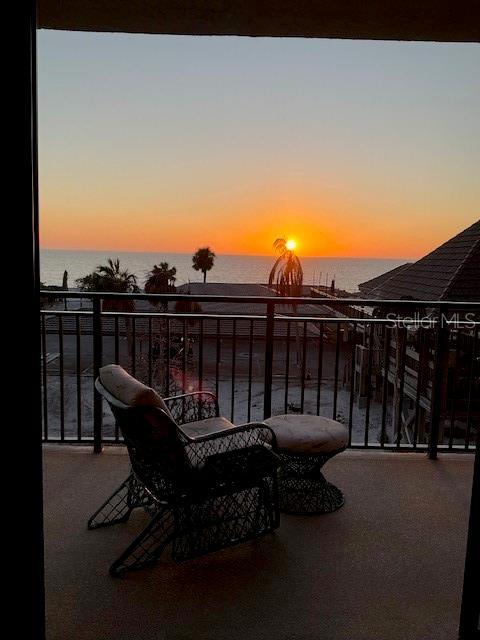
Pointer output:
439, 21
450, 272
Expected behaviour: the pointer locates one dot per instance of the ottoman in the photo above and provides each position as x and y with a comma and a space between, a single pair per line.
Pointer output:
305, 443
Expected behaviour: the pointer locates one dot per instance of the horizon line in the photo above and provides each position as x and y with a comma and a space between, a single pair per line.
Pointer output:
258, 255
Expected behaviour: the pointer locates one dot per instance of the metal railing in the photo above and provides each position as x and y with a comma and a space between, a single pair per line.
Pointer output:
396, 382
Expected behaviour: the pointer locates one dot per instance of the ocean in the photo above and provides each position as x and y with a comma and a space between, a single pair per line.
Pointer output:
347, 272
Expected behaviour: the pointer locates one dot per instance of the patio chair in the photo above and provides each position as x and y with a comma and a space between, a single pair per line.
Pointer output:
205, 483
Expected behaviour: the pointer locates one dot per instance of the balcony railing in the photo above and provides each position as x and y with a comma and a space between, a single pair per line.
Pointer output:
403, 375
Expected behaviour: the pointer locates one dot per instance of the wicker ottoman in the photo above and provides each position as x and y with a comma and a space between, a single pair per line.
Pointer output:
305, 443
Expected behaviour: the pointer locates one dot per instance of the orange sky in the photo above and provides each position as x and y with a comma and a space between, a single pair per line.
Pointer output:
165, 144
336, 228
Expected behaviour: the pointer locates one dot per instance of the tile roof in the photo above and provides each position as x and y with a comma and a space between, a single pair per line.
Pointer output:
369, 285
450, 272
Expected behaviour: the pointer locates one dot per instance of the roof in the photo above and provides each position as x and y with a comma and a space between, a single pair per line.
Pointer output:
376, 19
247, 308
210, 327
450, 272
369, 285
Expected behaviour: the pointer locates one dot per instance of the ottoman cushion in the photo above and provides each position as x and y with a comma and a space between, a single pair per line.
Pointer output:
308, 434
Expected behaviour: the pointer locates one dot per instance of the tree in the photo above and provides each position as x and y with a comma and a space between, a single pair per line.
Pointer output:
161, 279
287, 273
286, 276
203, 261
112, 279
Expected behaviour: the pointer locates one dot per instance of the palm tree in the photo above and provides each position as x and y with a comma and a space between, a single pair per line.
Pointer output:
161, 279
111, 278
286, 276
203, 261
287, 273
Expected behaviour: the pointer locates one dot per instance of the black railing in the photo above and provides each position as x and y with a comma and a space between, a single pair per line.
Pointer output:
397, 382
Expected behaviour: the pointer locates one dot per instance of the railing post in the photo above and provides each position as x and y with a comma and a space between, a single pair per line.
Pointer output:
97, 363
470, 609
438, 384
267, 390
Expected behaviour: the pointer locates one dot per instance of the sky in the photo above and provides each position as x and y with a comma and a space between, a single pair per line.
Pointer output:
168, 143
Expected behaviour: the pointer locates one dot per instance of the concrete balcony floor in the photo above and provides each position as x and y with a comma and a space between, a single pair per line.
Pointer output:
388, 565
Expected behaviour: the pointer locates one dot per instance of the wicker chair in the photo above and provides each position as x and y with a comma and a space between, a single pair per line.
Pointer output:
205, 483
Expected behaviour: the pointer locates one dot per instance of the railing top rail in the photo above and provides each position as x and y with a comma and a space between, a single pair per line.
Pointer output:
470, 324
68, 312
160, 314
268, 300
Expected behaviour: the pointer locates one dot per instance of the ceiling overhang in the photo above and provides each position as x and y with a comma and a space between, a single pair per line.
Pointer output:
426, 20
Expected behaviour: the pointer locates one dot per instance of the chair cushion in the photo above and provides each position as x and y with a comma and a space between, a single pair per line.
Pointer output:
308, 434
206, 427
128, 389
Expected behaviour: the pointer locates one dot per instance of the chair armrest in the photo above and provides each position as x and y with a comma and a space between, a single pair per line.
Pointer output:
191, 407
187, 437
245, 436
242, 466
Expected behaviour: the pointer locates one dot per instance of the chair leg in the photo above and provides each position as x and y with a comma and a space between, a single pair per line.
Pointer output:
148, 545
262, 512
118, 507
267, 514
269, 501
275, 504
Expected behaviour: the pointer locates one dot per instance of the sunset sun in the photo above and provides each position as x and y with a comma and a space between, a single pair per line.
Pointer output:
291, 244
